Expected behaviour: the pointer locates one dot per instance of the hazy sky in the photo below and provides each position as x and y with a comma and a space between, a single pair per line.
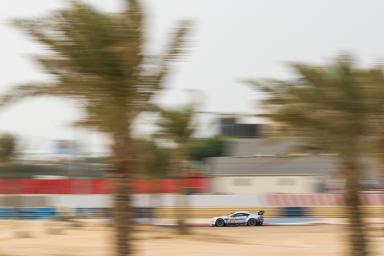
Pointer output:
232, 40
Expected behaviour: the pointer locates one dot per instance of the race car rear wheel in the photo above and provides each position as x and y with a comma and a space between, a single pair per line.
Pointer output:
219, 223
251, 222
259, 223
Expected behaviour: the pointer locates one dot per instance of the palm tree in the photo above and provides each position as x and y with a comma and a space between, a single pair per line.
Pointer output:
99, 60
154, 162
8, 147
328, 106
177, 126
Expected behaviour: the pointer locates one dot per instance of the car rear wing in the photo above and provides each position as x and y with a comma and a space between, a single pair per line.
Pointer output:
261, 212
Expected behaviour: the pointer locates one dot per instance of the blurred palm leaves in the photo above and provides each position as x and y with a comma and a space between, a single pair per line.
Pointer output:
99, 59
176, 125
8, 147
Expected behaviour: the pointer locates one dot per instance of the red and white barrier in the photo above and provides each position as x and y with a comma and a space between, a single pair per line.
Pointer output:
99, 186
370, 198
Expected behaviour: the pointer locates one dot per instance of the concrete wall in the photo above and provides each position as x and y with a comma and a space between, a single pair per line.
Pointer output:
139, 200
264, 184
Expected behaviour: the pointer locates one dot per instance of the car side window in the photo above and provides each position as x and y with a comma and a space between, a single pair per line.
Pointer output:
241, 215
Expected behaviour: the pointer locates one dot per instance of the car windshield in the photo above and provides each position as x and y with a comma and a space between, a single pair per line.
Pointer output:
234, 214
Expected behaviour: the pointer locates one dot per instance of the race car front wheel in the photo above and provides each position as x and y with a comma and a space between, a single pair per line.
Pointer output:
219, 223
251, 222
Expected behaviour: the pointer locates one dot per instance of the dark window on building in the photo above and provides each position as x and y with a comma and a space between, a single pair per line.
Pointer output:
229, 127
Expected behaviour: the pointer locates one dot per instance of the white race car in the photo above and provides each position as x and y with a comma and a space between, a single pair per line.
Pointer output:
239, 218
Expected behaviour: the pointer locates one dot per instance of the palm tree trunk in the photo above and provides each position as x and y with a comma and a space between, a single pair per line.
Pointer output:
181, 203
381, 174
155, 197
122, 210
356, 227
181, 211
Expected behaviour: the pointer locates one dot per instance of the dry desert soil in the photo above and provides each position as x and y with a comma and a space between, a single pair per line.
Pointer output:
53, 239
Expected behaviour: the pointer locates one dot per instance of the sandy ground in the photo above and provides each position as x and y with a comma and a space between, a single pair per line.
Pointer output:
47, 238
